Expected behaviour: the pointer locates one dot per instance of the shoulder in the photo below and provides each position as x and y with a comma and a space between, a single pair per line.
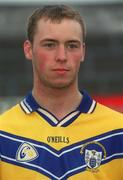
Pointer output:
101, 107
10, 111
11, 115
108, 113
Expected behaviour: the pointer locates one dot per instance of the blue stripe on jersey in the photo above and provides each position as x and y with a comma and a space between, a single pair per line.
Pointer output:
31, 102
65, 162
85, 103
47, 118
71, 120
56, 124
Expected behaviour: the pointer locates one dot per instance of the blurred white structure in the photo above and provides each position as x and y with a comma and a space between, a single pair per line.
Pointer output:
8, 102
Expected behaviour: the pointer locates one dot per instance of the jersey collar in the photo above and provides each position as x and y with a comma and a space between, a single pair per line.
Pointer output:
87, 105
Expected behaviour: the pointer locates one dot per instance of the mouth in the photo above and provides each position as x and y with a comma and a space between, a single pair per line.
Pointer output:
61, 70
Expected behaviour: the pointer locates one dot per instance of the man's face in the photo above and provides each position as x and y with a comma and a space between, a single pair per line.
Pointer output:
56, 53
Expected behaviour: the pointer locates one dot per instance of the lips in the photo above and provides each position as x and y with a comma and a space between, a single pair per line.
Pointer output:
61, 70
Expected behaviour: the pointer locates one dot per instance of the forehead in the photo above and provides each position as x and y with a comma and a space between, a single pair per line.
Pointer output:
66, 28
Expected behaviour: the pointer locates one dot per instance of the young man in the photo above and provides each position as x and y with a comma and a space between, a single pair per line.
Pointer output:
58, 132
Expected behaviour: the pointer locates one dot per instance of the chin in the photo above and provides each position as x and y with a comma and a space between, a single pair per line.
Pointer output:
61, 85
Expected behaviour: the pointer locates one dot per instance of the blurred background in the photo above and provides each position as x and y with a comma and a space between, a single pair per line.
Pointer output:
102, 72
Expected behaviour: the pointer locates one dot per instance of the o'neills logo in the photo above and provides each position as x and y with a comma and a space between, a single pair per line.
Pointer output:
57, 139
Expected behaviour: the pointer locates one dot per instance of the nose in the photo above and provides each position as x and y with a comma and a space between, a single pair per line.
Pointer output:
61, 53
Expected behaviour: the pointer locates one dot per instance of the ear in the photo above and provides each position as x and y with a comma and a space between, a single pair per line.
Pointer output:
83, 52
27, 46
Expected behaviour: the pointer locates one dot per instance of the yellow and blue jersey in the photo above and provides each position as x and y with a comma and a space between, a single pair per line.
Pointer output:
86, 144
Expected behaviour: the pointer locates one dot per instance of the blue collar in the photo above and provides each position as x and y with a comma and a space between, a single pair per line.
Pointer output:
29, 104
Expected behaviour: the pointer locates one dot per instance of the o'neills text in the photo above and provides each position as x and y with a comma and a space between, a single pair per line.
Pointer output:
57, 139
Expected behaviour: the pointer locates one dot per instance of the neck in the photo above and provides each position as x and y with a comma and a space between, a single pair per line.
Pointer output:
59, 102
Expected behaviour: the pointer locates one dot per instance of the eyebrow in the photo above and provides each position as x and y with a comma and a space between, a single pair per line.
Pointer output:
56, 41
73, 41
49, 40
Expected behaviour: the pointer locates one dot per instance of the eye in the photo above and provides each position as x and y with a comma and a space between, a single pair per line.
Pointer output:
73, 46
50, 45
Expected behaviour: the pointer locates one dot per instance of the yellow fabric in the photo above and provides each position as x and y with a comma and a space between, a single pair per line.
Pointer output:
86, 126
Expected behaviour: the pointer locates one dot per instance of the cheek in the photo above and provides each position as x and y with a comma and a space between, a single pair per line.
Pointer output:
76, 59
41, 61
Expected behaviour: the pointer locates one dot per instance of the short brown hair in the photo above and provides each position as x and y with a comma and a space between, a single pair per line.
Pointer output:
55, 13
